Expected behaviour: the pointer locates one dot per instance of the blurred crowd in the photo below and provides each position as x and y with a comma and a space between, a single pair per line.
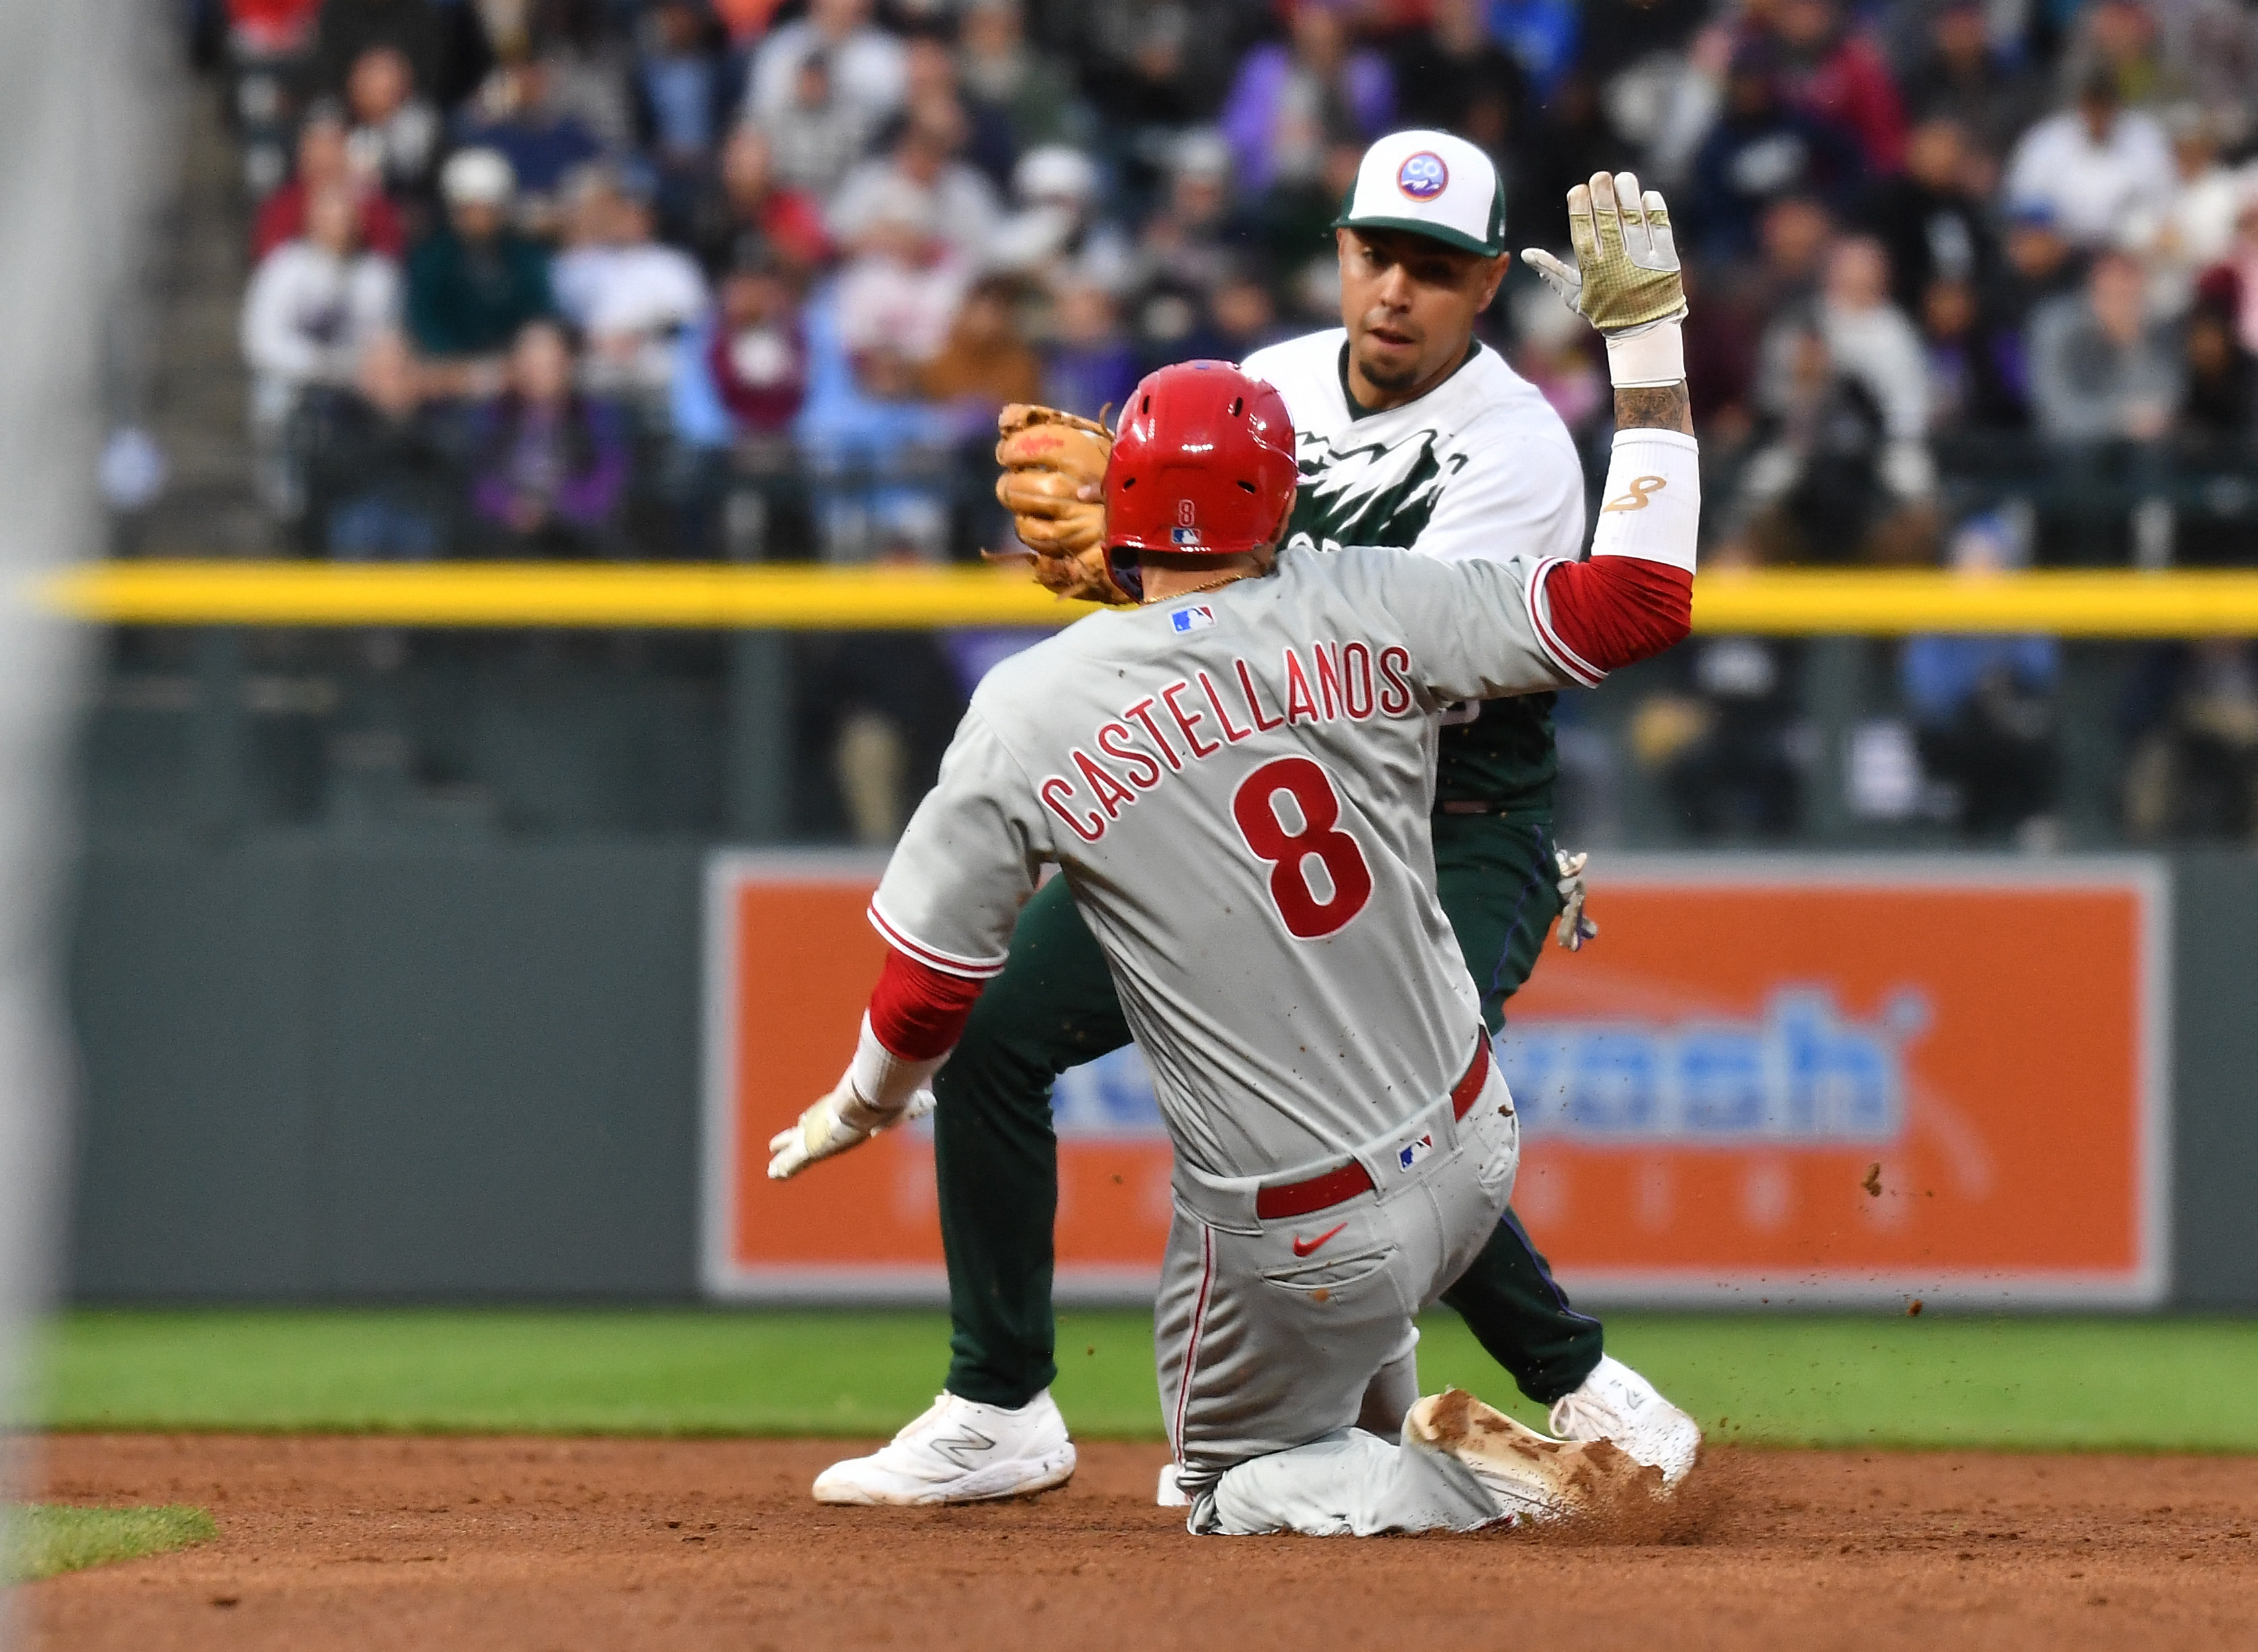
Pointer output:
1973, 281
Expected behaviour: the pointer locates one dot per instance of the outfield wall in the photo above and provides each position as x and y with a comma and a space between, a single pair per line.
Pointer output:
324, 1070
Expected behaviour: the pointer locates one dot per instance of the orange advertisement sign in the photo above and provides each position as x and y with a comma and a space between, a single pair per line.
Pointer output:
1775, 1080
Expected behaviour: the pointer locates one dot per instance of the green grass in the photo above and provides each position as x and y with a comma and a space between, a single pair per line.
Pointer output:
1938, 1380
44, 1539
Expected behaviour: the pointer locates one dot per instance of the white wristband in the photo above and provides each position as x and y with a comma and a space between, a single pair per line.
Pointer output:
881, 1079
1654, 354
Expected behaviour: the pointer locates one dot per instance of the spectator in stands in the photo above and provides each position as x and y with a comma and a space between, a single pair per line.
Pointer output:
1572, 139
515, 117
269, 30
2220, 400
2101, 370
678, 85
1454, 76
1543, 35
1028, 86
901, 291
2235, 279
1089, 364
1834, 74
1292, 221
1760, 149
1845, 473
1984, 707
1057, 234
395, 139
1619, 35
876, 450
1149, 72
2036, 266
745, 216
865, 69
383, 483
476, 283
2091, 165
418, 29
958, 203
1725, 741
1970, 362
1958, 75
1182, 245
625, 294
930, 95
313, 305
2193, 722
1289, 100
1240, 316
2187, 232
1929, 221
325, 162
552, 465
2116, 40
986, 362
817, 136
741, 373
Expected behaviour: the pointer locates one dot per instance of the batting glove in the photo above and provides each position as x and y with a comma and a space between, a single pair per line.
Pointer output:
1575, 928
841, 1120
1627, 281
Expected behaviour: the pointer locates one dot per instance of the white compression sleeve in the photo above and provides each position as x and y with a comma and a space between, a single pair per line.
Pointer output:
884, 1081
1651, 507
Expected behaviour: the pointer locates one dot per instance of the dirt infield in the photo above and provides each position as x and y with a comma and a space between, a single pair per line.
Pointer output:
537, 1544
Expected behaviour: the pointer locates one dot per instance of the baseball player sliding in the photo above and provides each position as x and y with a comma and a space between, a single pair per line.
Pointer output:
1234, 776
1409, 433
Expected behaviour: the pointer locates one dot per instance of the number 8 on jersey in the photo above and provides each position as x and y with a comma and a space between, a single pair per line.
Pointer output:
1254, 806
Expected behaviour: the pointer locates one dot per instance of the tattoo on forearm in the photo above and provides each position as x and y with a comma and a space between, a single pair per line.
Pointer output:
1654, 407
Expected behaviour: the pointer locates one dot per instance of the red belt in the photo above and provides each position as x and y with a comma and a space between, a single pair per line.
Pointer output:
1299, 1198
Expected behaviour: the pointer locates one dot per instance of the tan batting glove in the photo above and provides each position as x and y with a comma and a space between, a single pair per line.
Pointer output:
1627, 283
1575, 928
840, 1121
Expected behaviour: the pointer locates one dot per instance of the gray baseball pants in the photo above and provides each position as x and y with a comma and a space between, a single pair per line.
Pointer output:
1285, 1347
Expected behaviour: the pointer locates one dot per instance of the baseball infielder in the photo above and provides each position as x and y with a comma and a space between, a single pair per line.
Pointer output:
1409, 434
1234, 779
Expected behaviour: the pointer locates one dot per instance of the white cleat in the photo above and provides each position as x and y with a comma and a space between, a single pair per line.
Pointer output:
959, 1451
1531, 1476
1616, 1403
1171, 1495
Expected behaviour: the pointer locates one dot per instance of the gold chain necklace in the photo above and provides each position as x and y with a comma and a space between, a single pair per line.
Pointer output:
1212, 585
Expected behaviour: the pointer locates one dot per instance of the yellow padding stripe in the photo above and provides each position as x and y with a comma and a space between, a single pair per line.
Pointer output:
788, 598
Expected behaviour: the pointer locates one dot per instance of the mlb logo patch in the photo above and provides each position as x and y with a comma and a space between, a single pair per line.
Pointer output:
1183, 536
1198, 617
1413, 1151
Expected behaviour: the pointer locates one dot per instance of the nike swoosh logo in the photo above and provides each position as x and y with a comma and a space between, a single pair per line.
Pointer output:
1304, 1247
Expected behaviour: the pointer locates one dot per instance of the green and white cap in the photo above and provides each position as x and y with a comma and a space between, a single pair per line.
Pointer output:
1431, 184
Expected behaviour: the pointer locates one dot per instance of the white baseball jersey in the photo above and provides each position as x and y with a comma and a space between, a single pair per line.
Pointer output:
1481, 466
1236, 785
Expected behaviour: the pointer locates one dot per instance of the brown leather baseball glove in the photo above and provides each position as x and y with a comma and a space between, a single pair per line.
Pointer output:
1048, 457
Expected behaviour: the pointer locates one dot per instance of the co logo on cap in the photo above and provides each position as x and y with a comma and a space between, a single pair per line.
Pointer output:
1422, 176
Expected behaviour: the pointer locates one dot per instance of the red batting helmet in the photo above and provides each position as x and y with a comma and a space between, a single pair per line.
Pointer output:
1202, 463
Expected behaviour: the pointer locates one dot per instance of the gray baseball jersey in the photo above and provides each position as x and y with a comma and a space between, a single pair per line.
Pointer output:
1236, 785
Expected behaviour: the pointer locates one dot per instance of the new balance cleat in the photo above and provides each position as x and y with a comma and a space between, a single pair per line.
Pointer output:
959, 1451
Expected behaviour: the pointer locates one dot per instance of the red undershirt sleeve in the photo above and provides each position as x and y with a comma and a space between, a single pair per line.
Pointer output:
1614, 610
917, 1011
